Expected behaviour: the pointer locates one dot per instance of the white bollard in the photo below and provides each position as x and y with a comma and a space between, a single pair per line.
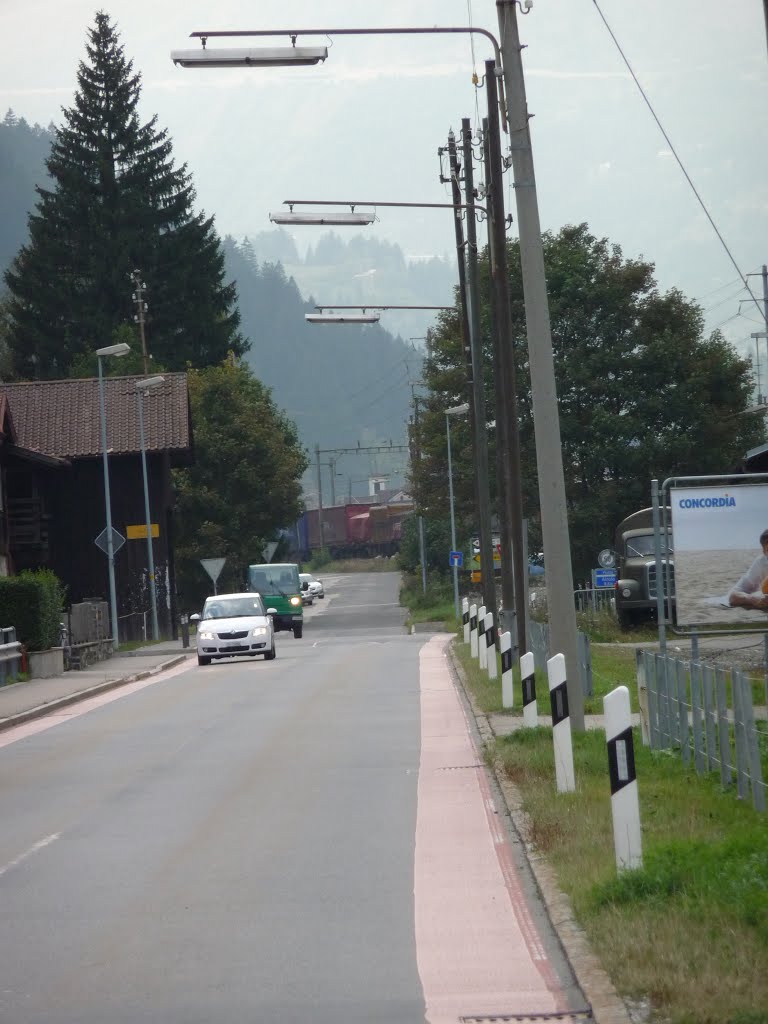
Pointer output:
490, 646
465, 618
625, 806
481, 648
528, 683
507, 676
561, 725
473, 630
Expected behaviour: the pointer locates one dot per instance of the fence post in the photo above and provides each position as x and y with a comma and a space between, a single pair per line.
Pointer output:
561, 725
585, 663
696, 708
490, 646
723, 729
528, 684
507, 675
755, 767
625, 806
740, 738
682, 711
481, 647
653, 701
473, 630
465, 618
709, 714
642, 694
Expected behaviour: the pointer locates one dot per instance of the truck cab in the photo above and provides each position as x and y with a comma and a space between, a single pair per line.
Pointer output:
279, 587
636, 585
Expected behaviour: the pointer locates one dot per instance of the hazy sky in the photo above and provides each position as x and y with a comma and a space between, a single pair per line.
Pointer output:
367, 124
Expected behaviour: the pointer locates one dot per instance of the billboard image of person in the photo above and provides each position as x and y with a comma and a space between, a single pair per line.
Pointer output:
751, 591
721, 555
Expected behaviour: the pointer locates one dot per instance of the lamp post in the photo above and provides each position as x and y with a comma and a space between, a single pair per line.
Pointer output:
142, 387
120, 349
456, 410
549, 456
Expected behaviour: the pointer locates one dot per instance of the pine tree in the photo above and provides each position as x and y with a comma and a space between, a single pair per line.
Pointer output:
117, 204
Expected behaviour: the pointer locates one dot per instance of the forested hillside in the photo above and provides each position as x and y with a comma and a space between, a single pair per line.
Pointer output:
23, 148
342, 385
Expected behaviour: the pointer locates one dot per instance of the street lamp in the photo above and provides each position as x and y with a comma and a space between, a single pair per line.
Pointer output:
121, 349
342, 318
142, 387
549, 456
456, 410
263, 57
340, 217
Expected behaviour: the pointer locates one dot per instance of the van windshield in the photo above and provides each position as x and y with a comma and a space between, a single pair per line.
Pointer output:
274, 579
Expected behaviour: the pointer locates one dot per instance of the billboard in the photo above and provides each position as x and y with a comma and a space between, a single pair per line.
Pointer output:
721, 554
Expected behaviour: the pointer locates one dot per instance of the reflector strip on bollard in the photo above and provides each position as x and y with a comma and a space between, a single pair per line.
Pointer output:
621, 760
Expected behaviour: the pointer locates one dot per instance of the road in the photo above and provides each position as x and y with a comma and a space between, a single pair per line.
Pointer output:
246, 841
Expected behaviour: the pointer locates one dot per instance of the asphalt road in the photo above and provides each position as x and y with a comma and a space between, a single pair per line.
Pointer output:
310, 839
233, 843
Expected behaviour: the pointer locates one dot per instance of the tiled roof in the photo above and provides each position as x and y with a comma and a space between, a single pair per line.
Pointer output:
61, 417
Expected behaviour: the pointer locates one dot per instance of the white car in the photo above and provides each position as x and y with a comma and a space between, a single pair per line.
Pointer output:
307, 594
234, 626
313, 589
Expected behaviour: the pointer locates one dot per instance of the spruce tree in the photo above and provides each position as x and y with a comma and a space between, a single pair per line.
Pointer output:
117, 204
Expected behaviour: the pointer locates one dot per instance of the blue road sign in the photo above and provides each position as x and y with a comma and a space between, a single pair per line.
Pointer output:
456, 558
603, 579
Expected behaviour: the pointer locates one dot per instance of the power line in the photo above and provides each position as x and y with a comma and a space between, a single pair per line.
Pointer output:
667, 139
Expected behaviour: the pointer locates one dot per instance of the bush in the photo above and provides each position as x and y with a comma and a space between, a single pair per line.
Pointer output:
33, 603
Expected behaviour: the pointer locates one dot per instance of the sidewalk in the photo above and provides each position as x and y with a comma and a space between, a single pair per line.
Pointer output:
21, 702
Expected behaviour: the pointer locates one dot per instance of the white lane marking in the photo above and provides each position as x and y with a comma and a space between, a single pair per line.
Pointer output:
34, 848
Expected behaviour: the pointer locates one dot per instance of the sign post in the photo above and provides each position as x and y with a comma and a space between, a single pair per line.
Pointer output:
213, 567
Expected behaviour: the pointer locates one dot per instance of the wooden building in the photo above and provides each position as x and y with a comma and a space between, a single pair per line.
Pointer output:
52, 486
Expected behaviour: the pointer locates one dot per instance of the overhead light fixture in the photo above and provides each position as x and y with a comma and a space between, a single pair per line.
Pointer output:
261, 57
342, 318
328, 217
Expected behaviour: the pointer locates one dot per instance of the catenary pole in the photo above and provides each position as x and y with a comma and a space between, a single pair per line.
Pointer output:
319, 499
549, 456
481, 419
508, 409
453, 159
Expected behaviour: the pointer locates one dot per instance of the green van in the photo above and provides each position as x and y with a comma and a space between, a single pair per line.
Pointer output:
280, 589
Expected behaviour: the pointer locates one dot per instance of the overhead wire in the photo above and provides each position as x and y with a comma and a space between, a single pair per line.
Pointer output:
702, 204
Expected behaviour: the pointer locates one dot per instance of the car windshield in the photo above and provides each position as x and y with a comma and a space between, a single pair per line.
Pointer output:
643, 545
233, 607
305, 577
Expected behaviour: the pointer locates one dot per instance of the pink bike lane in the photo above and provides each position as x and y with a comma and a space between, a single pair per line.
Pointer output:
479, 951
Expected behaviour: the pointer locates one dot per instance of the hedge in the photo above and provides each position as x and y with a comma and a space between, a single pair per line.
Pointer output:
33, 603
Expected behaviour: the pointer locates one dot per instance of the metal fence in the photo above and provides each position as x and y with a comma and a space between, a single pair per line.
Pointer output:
684, 706
10, 655
594, 599
538, 633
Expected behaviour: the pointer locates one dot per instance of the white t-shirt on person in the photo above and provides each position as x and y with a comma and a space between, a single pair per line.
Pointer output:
752, 580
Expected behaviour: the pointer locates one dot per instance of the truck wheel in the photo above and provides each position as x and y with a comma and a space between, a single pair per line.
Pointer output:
298, 629
626, 618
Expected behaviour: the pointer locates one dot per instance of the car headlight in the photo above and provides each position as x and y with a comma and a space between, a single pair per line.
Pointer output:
205, 635
259, 631
295, 600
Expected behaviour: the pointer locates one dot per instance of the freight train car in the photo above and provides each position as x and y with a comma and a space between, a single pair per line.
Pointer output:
351, 531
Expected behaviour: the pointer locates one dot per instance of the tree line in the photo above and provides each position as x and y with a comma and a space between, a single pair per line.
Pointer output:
115, 201
643, 392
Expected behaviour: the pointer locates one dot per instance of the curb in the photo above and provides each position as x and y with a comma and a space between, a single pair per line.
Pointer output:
606, 1004
41, 710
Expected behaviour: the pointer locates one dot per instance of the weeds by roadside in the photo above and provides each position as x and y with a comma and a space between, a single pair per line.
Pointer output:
689, 931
